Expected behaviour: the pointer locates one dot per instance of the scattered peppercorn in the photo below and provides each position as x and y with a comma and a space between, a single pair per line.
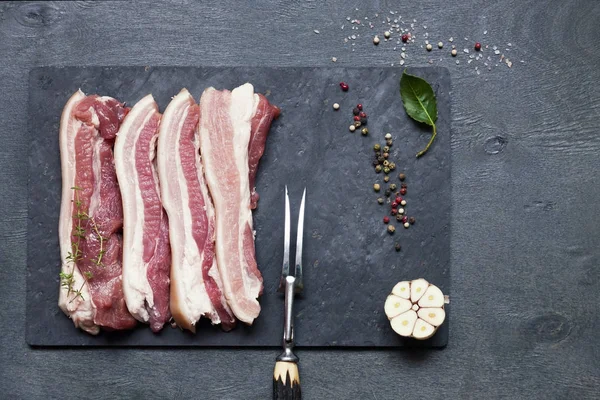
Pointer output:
336, 106
355, 111
386, 149
363, 121
386, 155
397, 247
401, 210
412, 220
386, 170
359, 106
440, 44
377, 147
388, 192
389, 142
377, 187
393, 186
477, 46
398, 200
392, 165
403, 185
344, 86
352, 128
454, 53
394, 204
376, 40
386, 220
387, 34
403, 203
394, 211
391, 229
399, 217
388, 136
405, 38
381, 159
429, 47
377, 168
357, 124
403, 191
386, 178
406, 225
385, 162
404, 219
364, 131
362, 114
375, 163
402, 177
380, 200
356, 118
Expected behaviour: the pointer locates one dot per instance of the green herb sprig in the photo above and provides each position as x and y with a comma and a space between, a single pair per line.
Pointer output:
420, 103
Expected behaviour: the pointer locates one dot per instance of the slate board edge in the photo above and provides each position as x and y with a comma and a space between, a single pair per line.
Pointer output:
442, 73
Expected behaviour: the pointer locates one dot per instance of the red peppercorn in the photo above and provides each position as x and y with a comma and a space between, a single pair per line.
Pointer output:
386, 220
404, 219
362, 114
394, 204
356, 118
359, 106
344, 86
477, 46
398, 200
405, 38
394, 211
403, 191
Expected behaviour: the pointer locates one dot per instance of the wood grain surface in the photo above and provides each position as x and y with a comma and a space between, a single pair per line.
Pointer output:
525, 147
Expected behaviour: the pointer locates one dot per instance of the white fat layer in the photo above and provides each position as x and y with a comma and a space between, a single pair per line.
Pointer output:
186, 269
136, 287
80, 310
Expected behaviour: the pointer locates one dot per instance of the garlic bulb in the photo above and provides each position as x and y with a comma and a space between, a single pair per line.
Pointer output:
415, 309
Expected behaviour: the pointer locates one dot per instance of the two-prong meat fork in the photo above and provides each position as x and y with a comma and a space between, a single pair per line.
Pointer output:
286, 379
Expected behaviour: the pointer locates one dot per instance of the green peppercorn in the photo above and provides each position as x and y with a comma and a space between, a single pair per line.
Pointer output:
377, 147
392, 166
402, 177
386, 170
391, 229
397, 247
386, 155
376, 187
380, 159
388, 192
364, 131
380, 200
393, 186
378, 169
386, 178
375, 162
386, 163
386, 149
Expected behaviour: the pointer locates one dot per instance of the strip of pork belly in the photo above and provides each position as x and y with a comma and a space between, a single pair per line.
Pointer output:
92, 202
146, 249
264, 114
196, 286
224, 131
79, 308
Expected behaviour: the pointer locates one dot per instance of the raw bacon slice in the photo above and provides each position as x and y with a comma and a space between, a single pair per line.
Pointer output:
264, 114
225, 130
196, 286
146, 250
91, 220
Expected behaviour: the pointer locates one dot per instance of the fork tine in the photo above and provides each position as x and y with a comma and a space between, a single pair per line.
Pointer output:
299, 284
285, 269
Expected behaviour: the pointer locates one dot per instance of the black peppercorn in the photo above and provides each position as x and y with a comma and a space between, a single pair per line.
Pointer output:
403, 185
398, 247
380, 159
388, 192
411, 220
375, 162
363, 121
355, 111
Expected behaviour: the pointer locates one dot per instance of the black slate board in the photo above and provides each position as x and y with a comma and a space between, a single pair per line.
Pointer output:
349, 260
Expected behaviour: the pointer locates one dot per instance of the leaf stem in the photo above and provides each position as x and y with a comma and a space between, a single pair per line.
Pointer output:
422, 152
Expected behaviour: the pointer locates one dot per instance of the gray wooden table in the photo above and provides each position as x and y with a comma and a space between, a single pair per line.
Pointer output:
526, 161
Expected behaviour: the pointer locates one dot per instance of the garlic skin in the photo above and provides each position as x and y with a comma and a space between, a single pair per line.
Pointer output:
415, 309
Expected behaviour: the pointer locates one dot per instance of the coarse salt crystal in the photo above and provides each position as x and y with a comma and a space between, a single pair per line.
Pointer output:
316, 31
485, 32
401, 62
403, 55
334, 59
497, 52
466, 51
